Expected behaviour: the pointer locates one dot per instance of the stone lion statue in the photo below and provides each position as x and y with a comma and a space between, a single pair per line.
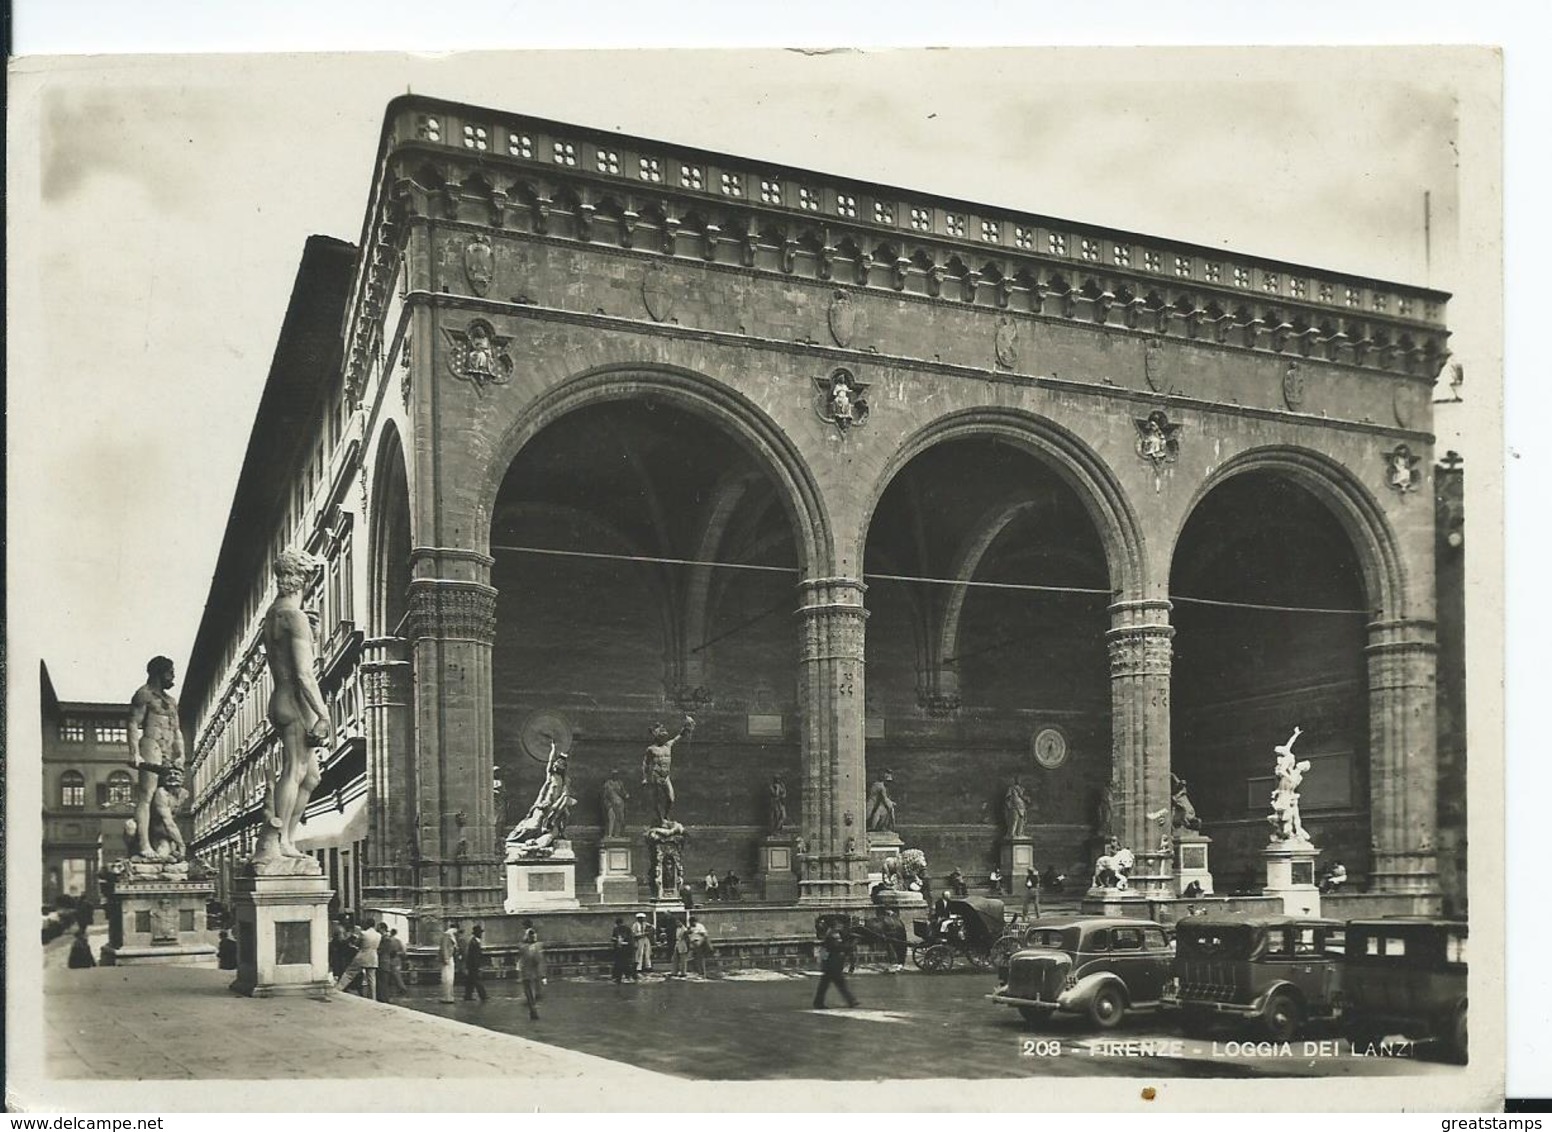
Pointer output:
1111, 870
907, 871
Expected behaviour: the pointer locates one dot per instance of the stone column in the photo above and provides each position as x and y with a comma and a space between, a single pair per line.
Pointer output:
830, 703
387, 681
1140, 652
1403, 756
452, 623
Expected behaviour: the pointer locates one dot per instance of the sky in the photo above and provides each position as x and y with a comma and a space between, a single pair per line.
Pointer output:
157, 215
176, 200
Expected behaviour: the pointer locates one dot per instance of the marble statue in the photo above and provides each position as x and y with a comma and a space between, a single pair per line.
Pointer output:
665, 859
1111, 870
906, 872
614, 796
545, 823
778, 805
1284, 819
657, 769
155, 745
1015, 808
296, 710
1184, 813
881, 807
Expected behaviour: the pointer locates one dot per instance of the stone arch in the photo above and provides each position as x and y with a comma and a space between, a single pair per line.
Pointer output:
390, 536
1073, 461
1355, 507
761, 437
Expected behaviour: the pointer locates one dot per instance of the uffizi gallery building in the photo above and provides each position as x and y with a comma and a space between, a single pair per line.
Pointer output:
593, 431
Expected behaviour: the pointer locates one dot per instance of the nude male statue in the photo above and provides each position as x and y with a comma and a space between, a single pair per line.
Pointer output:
155, 740
657, 769
296, 706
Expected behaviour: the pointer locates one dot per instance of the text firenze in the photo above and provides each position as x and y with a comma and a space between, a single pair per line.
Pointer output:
1174, 1047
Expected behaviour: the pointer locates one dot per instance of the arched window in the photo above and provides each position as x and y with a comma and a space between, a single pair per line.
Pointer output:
72, 788
121, 788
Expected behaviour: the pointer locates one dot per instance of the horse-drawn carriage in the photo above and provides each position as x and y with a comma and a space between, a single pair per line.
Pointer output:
973, 928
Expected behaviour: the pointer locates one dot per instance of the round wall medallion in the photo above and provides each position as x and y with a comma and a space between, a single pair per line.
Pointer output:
1050, 747
540, 729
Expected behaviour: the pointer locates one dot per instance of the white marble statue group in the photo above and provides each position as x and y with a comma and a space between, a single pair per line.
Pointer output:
1284, 819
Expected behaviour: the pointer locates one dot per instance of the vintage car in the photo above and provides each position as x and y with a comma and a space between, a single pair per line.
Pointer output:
1276, 971
1100, 968
1406, 976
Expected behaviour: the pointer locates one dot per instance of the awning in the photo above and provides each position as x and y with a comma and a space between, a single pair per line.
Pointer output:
335, 829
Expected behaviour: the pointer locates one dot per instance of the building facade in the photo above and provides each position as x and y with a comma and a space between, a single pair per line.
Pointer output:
88, 790
593, 431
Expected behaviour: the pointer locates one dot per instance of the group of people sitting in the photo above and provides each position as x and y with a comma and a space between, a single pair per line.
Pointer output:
726, 889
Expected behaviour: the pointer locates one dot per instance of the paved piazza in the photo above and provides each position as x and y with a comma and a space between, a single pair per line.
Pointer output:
758, 1025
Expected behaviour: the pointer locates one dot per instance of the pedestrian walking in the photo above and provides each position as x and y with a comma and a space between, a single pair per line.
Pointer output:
81, 950
530, 966
834, 951
1031, 891
390, 964
700, 944
474, 965
681, 950
226, 952
365, 962
448, 952
622, 946
641, 936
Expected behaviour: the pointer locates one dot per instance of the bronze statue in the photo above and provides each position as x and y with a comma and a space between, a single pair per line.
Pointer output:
155, 743
657, 769
296, 706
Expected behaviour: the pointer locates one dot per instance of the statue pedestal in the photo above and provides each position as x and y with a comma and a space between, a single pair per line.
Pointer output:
1290, 874
778, 881
282, 935
901, 900
1150, 877
882, 844
1018, 857
1191, 861
545, 883
153, 920
616, 880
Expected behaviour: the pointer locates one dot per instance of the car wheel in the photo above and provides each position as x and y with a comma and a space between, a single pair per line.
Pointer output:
1034, 1015
1107, 1007
1283, 1017
1195, 1023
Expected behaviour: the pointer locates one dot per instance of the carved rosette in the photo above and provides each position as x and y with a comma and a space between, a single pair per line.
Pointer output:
452, 611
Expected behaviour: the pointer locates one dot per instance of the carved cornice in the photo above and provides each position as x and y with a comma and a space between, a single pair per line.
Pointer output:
452, 611
457, 163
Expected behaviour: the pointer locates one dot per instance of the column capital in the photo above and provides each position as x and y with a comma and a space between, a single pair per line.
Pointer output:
1140, 611
1140, 650
1402, 636
452, 610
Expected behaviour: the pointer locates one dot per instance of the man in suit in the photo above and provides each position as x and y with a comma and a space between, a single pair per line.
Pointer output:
835, 948
474, 965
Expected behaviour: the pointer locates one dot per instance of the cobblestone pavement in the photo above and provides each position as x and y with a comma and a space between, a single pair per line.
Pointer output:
759, 1025
182, 1023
